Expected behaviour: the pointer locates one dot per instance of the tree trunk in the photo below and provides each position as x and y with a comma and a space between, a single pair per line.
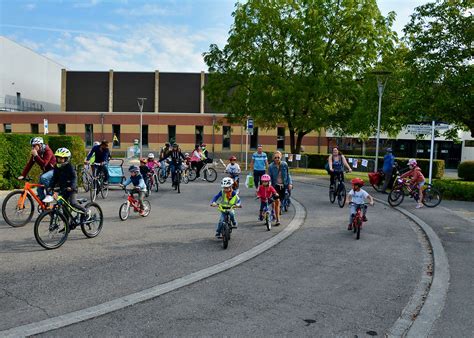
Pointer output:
292, 140
299, 140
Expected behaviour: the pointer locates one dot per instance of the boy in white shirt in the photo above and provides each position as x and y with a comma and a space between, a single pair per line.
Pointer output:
233, 169
357, 196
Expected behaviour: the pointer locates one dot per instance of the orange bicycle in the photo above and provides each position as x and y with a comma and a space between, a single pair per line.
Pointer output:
18, 206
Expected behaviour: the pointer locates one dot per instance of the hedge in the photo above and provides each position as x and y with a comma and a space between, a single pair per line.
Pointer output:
318, 161
466, 170
15, 152
455, 189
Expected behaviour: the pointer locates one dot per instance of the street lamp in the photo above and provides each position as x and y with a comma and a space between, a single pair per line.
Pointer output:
382, 77
141, 102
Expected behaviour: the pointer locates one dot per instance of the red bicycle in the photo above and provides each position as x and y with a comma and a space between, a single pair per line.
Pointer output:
134, 203
358, 219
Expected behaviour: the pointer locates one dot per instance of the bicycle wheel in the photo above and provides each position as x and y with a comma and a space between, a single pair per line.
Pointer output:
92, 227
341, 195
191, 174
51, 229
124, 211
225, 236
268, 222
146, 208
85, 181
210, 175
431, 197
93, 190
148, 188
332, 193
161, 178
358, 226
186, 178
14, 214
155, 182
104, 188
396, 197
178, 182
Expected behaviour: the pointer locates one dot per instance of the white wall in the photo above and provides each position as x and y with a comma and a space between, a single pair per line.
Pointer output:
34, 76
467, 153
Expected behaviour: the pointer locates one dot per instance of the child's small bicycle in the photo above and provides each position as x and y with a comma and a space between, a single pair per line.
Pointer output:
124, 210
226, 224
358, 218
268, 214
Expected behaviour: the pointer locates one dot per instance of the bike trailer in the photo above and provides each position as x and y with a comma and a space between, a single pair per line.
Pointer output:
116, 175
375, 178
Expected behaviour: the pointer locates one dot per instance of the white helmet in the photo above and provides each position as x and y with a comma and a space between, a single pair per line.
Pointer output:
36, 140
227, 182
412, 162
96, 143
151, 155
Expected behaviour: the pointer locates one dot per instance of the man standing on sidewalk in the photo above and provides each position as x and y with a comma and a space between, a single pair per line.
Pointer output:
388, 162
259, 164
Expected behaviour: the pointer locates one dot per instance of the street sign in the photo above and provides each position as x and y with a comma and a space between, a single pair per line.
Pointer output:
416, 129
46, 126
250, 126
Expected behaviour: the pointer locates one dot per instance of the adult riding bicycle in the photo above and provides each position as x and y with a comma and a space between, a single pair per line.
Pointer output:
18, 207
431, 196
53, 226
338, 190
132, 202
97, 184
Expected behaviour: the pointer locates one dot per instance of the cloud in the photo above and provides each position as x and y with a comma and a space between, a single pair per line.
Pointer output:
30, 7
54, 29
145, 10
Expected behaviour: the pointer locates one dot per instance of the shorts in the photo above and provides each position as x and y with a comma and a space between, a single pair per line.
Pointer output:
280, 189
422, 183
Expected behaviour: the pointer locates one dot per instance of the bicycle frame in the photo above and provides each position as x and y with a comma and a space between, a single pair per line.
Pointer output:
27, 189
132, 201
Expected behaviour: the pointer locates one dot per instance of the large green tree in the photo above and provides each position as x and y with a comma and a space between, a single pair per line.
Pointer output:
439, 65
296, 62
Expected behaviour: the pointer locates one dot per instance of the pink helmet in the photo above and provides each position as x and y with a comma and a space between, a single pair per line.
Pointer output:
412, 162
265, 178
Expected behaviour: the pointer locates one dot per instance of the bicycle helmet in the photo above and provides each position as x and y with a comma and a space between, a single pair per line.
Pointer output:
133, 169
265, 178
389, 150
233, 158
227, 182
203, 145
64, 153
36, 140
357, 181
412, 162
151, 155
143, 160
175, 145
186, 155
96, 143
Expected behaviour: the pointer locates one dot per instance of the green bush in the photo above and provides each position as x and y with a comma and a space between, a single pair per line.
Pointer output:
15, 153
466, 170
455, 189
318, 161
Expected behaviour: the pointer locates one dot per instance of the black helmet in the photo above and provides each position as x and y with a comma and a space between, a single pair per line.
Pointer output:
167, 144
175, 145
133, 168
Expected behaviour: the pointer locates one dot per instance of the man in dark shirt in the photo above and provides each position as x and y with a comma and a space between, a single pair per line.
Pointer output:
176, 157
102, 157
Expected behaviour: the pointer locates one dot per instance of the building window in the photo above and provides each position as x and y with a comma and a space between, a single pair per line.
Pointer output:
89, 135
199, 134
61, 129
7, 127
116, 136
171, 134
34, 128
281, 138
145, 135
254, 139
226, 137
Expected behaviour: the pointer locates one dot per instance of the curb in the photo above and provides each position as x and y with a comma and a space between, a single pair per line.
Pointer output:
427, 302
158, 290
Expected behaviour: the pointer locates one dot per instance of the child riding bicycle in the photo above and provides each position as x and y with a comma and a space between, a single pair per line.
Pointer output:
417, 179
226, 198
356, 198
233, 169
64, 176
265, 192
138, 183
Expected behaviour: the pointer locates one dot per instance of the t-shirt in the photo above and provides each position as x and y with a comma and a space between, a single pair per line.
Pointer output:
265, 193
259, 161
233, 169
388, 161
358, 197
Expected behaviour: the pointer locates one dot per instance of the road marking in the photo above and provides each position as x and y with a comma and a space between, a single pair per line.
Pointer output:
141, 296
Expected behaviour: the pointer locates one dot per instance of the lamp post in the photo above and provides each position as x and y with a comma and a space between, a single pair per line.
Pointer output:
141, 102
382, 77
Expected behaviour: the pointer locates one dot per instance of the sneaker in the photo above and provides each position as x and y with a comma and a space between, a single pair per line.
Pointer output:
203, 179
349, 227
234, 225
218, 236
418, 206
277, 223
142, 212
364, 219
48, 199
260, 218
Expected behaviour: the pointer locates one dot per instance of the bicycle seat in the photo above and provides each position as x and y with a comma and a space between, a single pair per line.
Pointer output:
82, 200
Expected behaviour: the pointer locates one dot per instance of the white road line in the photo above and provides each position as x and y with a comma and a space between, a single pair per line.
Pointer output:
141, 296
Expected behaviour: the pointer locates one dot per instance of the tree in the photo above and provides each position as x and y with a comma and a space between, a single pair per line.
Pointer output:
296, 61
439, 77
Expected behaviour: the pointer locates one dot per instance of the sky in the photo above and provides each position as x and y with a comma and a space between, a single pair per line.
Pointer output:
132, 35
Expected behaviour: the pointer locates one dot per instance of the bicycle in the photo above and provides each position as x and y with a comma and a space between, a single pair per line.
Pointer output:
227, 227
164, 174
52, 227
338, 190
431, 196
358, 218
86, 177
152, 182
132, 202
178, 178
97, 184
268, 214
377, 179
209, 174
18, 206
286, 201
